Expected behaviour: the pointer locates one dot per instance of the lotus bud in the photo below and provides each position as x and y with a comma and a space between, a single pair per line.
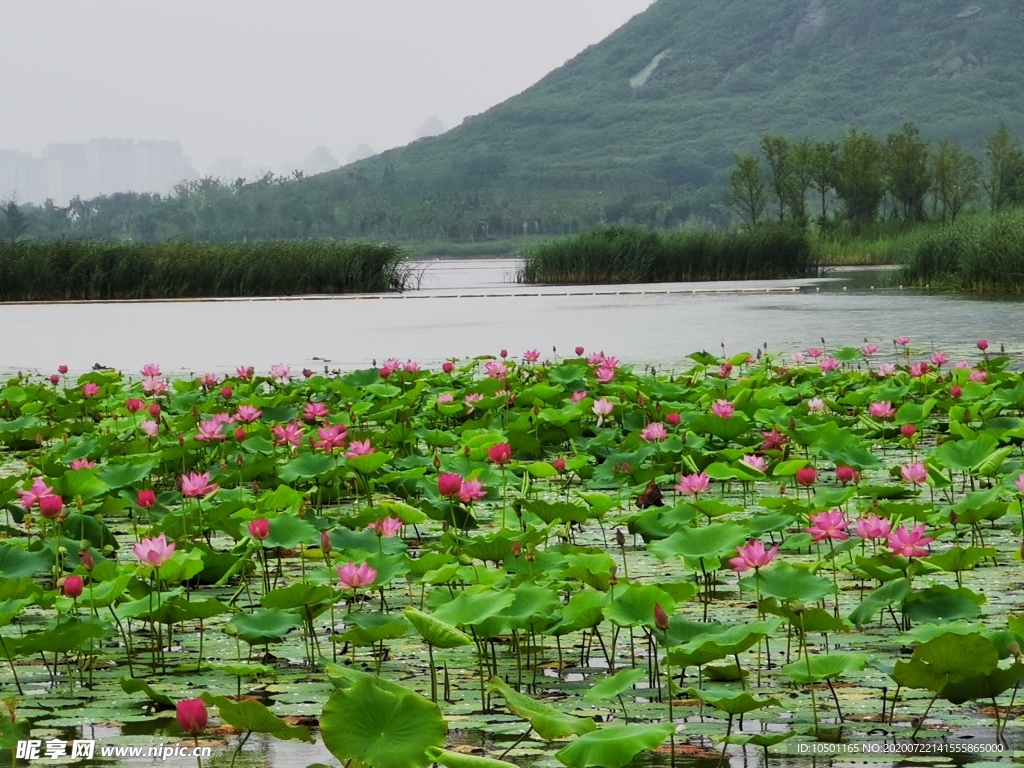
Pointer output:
325, 543
620, 537
954, 519
87, 560
517, 549
660, 617
530, 557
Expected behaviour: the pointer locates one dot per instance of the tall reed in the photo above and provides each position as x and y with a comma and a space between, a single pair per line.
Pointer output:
983, 253
634, 255
58, 270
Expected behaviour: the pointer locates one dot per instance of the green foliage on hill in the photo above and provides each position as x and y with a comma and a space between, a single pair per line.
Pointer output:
644, 126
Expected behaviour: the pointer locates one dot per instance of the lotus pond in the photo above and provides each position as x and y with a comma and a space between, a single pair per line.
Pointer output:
518, 560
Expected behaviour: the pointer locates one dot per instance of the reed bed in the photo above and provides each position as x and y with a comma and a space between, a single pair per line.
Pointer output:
74, 270
634, 255
981, 254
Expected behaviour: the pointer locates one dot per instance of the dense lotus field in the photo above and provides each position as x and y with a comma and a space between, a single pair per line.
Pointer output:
535, 561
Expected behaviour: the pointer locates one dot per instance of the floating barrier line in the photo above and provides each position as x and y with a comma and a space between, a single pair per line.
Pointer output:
377, 296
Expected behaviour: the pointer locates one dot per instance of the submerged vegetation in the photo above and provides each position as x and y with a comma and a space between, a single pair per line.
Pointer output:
62, 270
543, 562
633, 255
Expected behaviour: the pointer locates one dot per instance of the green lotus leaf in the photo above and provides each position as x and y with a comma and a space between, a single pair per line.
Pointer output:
252, 716
267, 625
613, 747
548, 722
610, 687
436, 632
375, 726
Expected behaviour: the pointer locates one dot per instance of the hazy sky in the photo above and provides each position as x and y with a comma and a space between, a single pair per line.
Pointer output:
269, 79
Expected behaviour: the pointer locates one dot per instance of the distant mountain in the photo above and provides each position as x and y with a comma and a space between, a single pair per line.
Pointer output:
648, 120
644, 125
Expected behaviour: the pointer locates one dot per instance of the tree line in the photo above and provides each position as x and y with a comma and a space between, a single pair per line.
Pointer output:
865, 178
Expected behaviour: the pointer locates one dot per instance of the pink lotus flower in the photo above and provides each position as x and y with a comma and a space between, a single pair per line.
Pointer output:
208, 380
725, 371
62, 369
847, 475
331, 437
82, 464
815, 352
151, 370
50, 506
978, 376
195, 484
352, 577
815, 405
914, 473
247, 414
449, 485
531, 356
604, 374
773, 441
73, 586
577, 396
909, 543
411, 366
807, 476
259, 528
798, 357
752, 557
917, 370
146, 498
962, 365
1019, 483
359, 448
755, 462
154, 552
150, 428
445, 398
154, 409
386, 526
903, 341
472, 490
602, 408
55, 379
939, 359
134, 405
314, 411
579, 351
496, 370
31, 497
448, 366
673, 419
869, 349
281, 372
610, 362
723, 408
955, 391
393, 363
154, 386
559, 465
227, 392
245, 372
982, 344
191, 715
89, 389
886, 369
882, 410
654, 432
693, 485
873, 527
500, 453
828, 525
211, 430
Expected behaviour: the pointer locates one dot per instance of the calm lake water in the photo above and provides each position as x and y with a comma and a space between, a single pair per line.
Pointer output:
472, 307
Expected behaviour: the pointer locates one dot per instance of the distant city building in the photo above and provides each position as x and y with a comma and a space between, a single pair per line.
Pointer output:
100, 167
432, 126
361, 152
320, 160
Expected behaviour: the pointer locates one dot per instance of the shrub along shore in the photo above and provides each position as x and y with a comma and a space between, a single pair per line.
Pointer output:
71, 270
634, 255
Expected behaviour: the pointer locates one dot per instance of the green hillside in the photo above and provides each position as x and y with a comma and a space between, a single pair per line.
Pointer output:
644, 126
